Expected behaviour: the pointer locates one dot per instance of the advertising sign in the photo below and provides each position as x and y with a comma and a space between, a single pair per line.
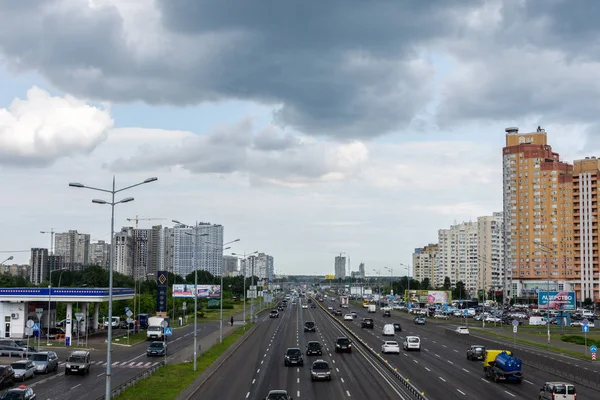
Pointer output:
161, 293
428, 296
329, 276
204, 291
557, 300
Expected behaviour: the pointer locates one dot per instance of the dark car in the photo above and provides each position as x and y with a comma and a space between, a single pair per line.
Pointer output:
367, 323
397, 327
475, 352
7, 375
337, 312
314, 348
278, 395
320, 370
293, 356
19, 393
274, 314
343, 344
157, 348
387, 313
313, 305
280, 308
309, 326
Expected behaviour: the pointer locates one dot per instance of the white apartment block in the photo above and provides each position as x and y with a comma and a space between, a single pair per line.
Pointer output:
39, 265
73, 247
490, 247
100, 253
166, 245
457, 257
340, 267
208, 239
124, 251
423, 264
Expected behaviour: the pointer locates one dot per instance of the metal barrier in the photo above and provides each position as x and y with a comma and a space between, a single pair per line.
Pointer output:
567, 370
409, 386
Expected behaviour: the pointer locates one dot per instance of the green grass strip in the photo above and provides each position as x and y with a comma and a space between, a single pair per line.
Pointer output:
170, 380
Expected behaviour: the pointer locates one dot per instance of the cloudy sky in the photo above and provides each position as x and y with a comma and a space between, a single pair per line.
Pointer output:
305, 128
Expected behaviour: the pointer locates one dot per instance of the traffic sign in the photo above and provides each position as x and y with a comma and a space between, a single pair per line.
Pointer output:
593, 349
30, 323
36, 327
465, 311
515, 329
585, 328
515, 322
593, 356
164, 323
129, 313
79, 316
39, 310
184, 306
585, 322
168, 331
129, 320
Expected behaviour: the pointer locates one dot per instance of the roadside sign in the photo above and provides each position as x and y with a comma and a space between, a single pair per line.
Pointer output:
36, 327
585, 328
168, 331
515, 329
593, 356
593, 349
129, 320
164, 323
585, 322
30, 323
129, 313
184, 306
126, 309
79, 316
39, 310
515, 322
465, 311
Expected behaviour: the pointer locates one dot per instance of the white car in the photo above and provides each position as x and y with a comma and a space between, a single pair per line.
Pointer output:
304, 305
330, 308
390, 347
412, 343
440, 316
462, 330
348, 317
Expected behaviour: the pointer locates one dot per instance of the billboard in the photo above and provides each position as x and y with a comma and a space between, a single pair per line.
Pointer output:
182, 291
557, 300
329, 276
428, 296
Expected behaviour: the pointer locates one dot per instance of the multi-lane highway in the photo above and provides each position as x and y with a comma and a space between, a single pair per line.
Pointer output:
258, 364
127, 362
441, 369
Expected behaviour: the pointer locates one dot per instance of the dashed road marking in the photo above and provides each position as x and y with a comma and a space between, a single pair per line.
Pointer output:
509, 393
348, 393
442, 379
466, 370
461, 392
427, 369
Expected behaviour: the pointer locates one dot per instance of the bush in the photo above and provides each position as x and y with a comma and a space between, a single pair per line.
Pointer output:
226, 306
578, 339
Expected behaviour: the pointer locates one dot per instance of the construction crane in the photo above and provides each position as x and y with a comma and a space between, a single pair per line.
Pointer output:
134, 271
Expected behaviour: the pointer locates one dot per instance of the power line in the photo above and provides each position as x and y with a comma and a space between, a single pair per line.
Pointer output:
15, 251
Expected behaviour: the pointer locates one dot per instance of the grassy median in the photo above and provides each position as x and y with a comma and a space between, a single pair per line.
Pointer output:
171, 379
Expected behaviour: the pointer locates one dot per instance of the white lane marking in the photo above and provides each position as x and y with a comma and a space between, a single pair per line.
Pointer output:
442, 379
253, 380
437, 355
337, 369
75, 386
416, 362
531, 383
427, 369
485, 380
461, 392
247, 394
298, 393
466, 370
450, 361
509, 393
297, 369
99, 375
262, 361
258, 370
348, 393
297, 380
444, 345
333, 361
456, 351
342, 379
426, 349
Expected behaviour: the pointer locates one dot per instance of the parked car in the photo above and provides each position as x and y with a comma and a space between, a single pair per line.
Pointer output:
7, 376
44, 361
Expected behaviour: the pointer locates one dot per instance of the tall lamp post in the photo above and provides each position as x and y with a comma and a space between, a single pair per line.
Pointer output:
244, 257
407, 285
8, 259
391, 270
221, 291
548, 251
112, 203
50, 300
379, 274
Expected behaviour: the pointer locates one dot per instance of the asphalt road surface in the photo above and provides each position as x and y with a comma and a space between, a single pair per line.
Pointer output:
127, 362
258, 365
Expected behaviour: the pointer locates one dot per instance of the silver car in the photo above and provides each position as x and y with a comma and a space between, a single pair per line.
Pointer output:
44, 361
23, 369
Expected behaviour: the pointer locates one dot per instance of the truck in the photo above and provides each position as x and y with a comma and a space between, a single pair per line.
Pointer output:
502, 366
372, 308
155, 330
344, 301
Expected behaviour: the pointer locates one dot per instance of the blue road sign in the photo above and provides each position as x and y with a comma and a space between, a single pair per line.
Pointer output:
593, 349
515, 322
585, 328
126, 310
465, 311
585, 322
168, 331
36, 327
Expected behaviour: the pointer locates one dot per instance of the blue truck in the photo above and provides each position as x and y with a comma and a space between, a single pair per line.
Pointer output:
502, 366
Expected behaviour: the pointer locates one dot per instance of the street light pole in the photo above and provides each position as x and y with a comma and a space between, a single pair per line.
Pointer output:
407, 285
50, 301
244, 257
112, 203
221, 291
547, 250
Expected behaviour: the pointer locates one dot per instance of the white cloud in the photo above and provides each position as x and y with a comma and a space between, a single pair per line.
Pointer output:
41, 129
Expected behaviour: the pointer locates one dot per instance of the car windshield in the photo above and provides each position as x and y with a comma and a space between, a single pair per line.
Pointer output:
391, 343
77, 359
274, 312
478, 349
343, 341
21, 343
154, 328
158, 345
19, 365
413, 340
321, 365
20, 395
293, 352
310, 324
314, 345
39, 357
277, 396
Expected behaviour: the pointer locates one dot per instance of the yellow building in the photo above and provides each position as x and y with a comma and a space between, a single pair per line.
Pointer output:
538, 216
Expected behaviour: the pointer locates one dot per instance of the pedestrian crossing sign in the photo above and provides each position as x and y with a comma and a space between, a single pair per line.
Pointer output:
168, 331
36, 327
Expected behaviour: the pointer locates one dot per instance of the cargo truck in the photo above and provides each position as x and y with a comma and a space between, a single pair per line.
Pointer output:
344, 301
502, 366
155, 330
372, 308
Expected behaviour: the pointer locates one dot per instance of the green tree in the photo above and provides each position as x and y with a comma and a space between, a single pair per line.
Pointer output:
459, 291
447, 283
425, 284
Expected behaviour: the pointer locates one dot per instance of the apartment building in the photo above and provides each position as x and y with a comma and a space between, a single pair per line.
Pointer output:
538, 216
423, 263
39, 265
586, 180
457, 256
100, 253
490, 252
340, 267
208, 239
124, 251
74, 248
230, 265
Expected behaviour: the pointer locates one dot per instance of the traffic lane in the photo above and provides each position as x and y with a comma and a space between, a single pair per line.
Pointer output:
270, 373
236, 378
360, 374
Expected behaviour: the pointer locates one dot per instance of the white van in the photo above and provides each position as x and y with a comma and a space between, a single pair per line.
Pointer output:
558, 390
537, 320
388, 330
412, 343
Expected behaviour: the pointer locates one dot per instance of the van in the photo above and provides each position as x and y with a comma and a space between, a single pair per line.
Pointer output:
537, 321
388, 330
78, 362
558, 390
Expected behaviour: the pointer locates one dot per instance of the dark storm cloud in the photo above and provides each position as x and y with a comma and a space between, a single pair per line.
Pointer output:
339, 68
